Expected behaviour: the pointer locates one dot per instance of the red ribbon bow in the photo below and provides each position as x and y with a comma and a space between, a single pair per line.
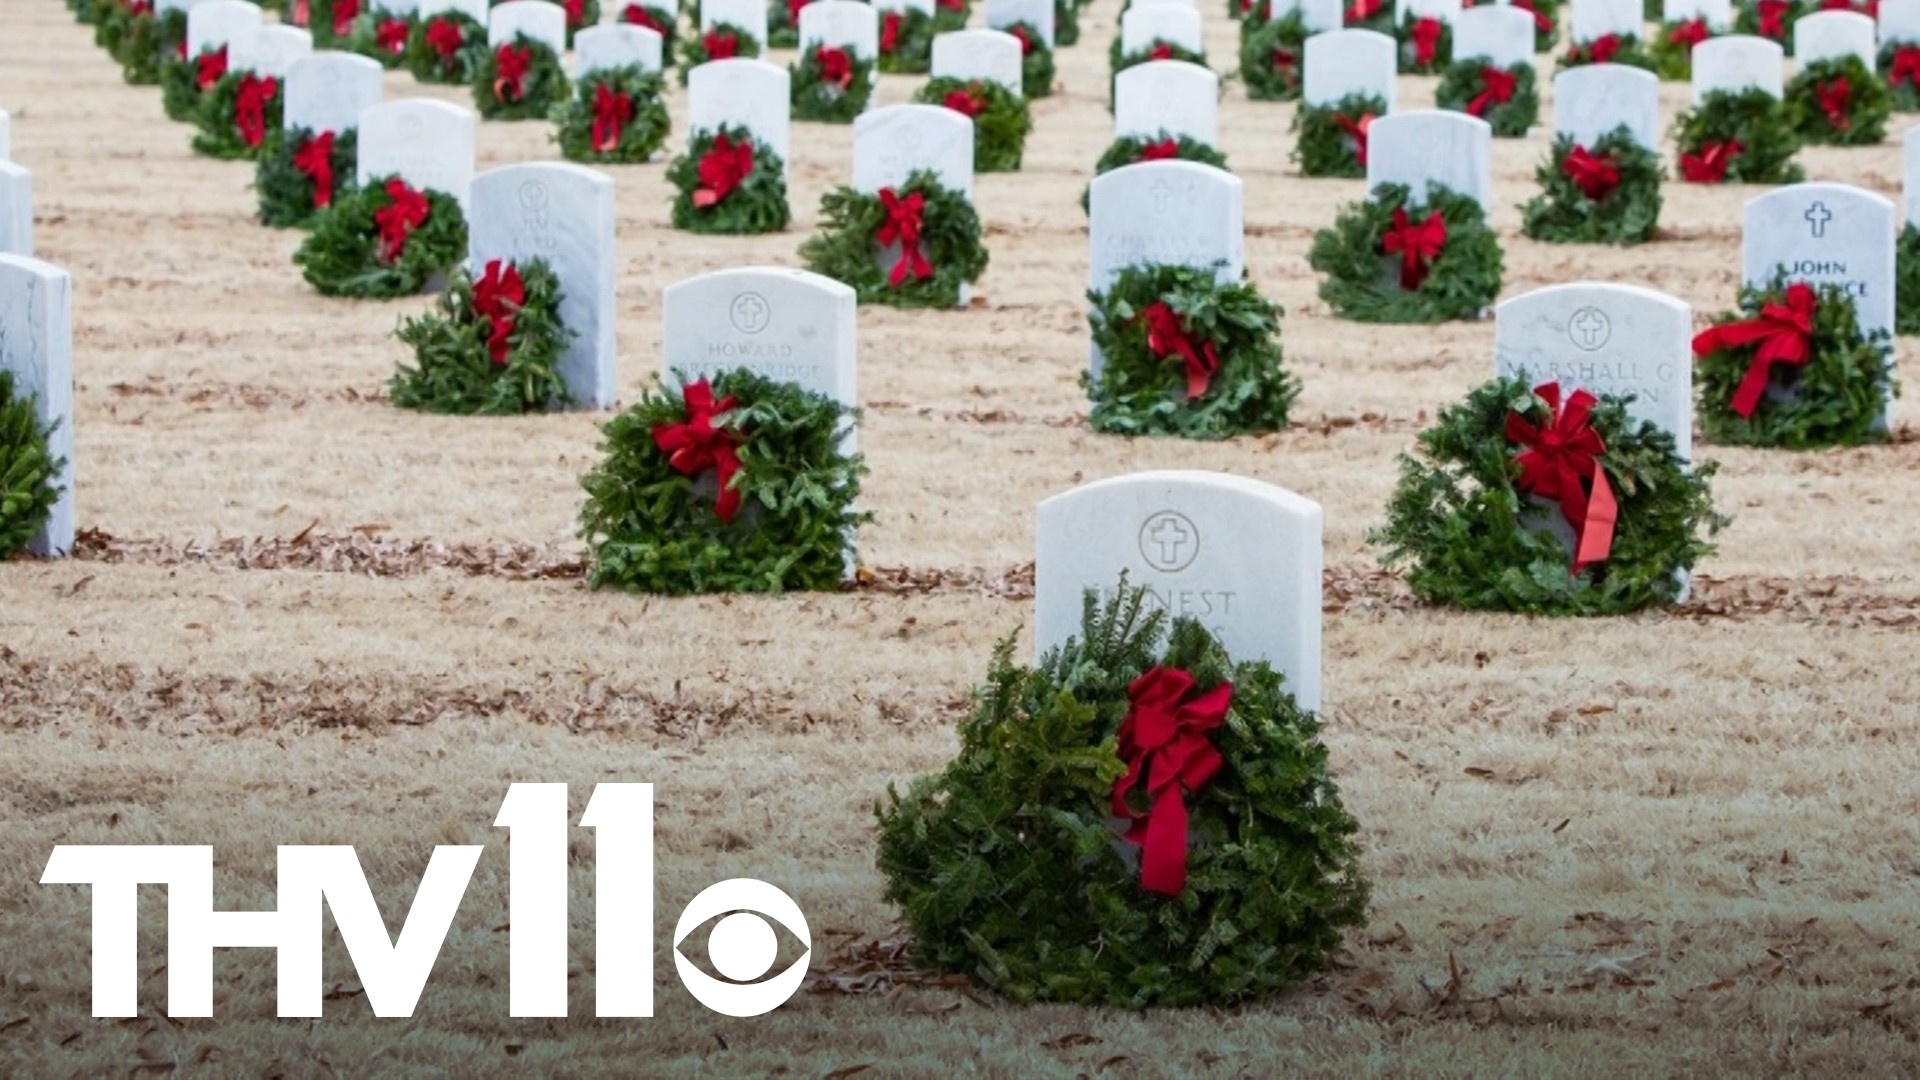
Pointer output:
1284, 61
721, 44
302, 12
315, 159
1773, 18
512, 64
793, 10
1541, 24
210, 68
965, 102
1689, 33
1418, 244
391, 35
1783, 334
1600, 50
250, 107
1557, 458
903, 225
636, 15
497, 297
1426, 40
1834, 98
1165, 745
722, 168
1166, 337
1595, 176
1709, 166
1160, 51
344, 12
1026, 40
406, 211
836, 65
576, 12
1159, 151
445, 39
1496, 88
1906, 66
1357, 131
696, 446
1361, 10
951, 5
611, 113
890, 32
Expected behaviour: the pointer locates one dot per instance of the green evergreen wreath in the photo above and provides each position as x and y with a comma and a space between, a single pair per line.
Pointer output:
150, 41
814, 98
29, 473
1001, 119
1906, 281
1066, 23
1272, 56
1475, 540
385, 37
1770, 19
458, 370
1410, 62
447, 49
1755, 121
583, 15
341, 256
1672, 48
1546, 21
910, 52
1007, 869
1610, 49
321, 20
1859, 120
1627, 213
180, 93
953, 14
651, 528
756, 204
1463, 82
1323, 146
697, 49
110, 22
1145, 325
220, 135
1036, 60
783, 23
1157, 49
543, 87
1363, 282
1162, 145
286, 191
637, 138
664, 19
1837, 398
1900, 62
848, 246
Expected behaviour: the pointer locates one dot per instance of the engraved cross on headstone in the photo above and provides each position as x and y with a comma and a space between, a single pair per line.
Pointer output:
1589, 328
1162, 195
1817, 217
1170, 536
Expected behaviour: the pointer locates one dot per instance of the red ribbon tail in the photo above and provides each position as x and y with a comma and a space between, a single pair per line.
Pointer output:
1603, 511
1753, 387
1163, 857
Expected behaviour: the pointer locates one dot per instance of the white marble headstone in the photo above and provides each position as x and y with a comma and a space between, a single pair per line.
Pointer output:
1497, 33
791, 325
741, 93
268, 51
1718, 13
1317, 16
891, 143
328, 90
1738, 62
1824, 233
36, 345
1175, 24
1444, 10
1830, 35
1170, 211
539, 20
562, 213
750, 16
1592, 100
612, 46
1595, 19
16, 210
1038, 14
1240, 556
472, 9
1424, 146
1910, 179
1339, 63
1172, 96
1609, 339
427, 143
841, 24
1899, 22
986, 55
213, 24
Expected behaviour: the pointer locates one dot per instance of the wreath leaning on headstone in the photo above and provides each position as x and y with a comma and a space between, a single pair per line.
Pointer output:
237, 115
582, 15
1508, 99
729, 183
616, 116
906, 42
334, 23
1390, 260
151, 40
384, 38
491, 347
1838, 102
1001, 119
912, 246
733, 484
1272, 54
1743, 137
783, 23
1609, 49
29, 473
1901, 62
721, 41
1157, 49
301, 172
831, 84
1426, 44
1771, 19
1375, 15
519, 80
110, 23
1608, 193
1331, 140
384, 240
1792, 369
1185, 354
1160, 146
1235, 869
1672, 48
1036, 60
1478, 513
664, 19
448, 49
1906, 281
183, 83
1546, 21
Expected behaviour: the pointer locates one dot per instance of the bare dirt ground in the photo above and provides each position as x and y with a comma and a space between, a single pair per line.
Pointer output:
1676, 844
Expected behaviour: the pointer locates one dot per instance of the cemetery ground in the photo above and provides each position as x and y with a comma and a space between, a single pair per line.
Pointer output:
1671, 843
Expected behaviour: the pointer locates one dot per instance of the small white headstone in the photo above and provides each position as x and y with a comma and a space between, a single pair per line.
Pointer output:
1738, 62
1444, 10
1595, 19
1240, 556
1592, 100
1821, 234
1609, 339
841, 24
328, 90
987, 55
268, 51
1718, 13
1173, 96
749, 15
613, 46
16, 210
539, 20
472, 9
790, 325
36, 345
1497, 34
1830, 35
1899, 22
741, 93
562, 213
213, 24
1038, 14
1424, 146
1168, 212
891, 143
1340, 63
1910, 180
1316, 16
1146, 23
427, 143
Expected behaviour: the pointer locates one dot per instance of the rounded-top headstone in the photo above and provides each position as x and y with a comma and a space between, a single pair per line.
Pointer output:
1004, 14
613, 46
539, 20
1341, 63
745, 93
1316, 16
211, 24
427, 143
892, 142
842, 24
1595, 19
1171, 96
1428, 146
328, 91
789, 325
750, 16
1175, 24
268, 51
1499, 34
988, 55
1737, 62
1830, 35
1592, 100
1899, 22
1717, 13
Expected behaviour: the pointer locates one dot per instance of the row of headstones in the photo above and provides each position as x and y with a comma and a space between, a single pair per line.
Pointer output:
1590, 20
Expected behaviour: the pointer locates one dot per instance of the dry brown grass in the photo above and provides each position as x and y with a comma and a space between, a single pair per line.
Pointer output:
1653, 846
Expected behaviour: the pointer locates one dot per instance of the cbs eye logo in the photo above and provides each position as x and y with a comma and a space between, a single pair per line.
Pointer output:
742, 946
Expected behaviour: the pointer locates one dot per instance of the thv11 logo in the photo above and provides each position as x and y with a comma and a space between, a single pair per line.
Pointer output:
394, 968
